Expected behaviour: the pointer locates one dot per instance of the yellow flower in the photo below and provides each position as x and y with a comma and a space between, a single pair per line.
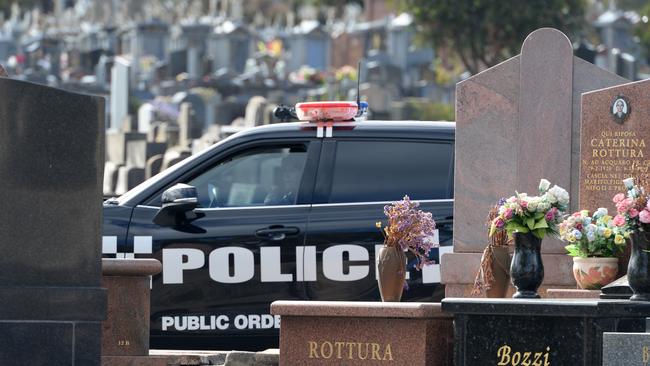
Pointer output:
571, 238
618, 239
378, 224
584, 213
606, 218
607, 232
626, 234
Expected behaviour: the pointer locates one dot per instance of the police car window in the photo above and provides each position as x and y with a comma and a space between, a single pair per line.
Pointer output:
371, 171
256, 177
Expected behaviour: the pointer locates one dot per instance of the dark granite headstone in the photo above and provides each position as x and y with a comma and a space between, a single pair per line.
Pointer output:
629, 349
557, 332
51, 159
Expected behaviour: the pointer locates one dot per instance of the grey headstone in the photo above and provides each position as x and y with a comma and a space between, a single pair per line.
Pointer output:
138, 151
51, 160
152, 134
173, 156
110, 177
153, 166
184, 124
629, 349
116, 142
127, 178
119, 92
168, 133
255, 111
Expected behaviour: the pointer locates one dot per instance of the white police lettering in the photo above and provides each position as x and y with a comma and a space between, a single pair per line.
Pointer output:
306, 269
271, 266
177, 260
243, 268
333, 263
219, 322
237, 265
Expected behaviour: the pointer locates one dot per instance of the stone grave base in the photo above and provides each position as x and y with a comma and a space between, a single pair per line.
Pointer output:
557, 293
629, 349
459, 271
270, 357
538, 331
355, 333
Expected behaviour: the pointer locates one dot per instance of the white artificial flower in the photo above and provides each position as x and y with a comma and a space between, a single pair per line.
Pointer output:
543, 206
543, 185
600, 212
561, 194
629, 183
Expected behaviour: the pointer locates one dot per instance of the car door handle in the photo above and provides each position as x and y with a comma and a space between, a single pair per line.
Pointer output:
276, 232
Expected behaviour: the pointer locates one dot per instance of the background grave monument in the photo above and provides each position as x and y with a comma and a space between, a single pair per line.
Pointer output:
517, 122
51, 159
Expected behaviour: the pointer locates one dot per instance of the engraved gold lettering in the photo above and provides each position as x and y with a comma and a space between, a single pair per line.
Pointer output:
330, 350
504, 353
365, 356
537, 361
546, 363
388, 353
646, 355
525, 361
375, 352
516, 357
350, 345
338, 348
313, 353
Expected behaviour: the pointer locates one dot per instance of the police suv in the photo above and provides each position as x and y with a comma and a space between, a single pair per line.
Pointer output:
284, 211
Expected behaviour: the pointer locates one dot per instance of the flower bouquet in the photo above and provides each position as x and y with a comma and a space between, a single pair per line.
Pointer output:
493, 272
409, 229
594, 243
633, 208
528, 219
537, 215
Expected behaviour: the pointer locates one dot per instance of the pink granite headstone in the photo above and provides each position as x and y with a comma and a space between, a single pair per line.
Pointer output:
517, 122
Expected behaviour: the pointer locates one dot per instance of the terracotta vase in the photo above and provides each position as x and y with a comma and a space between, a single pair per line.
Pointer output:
593, 273
391, 265
638, 270
500, 270
527, 269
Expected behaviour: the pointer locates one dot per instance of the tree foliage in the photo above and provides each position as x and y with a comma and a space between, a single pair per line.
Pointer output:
485, 32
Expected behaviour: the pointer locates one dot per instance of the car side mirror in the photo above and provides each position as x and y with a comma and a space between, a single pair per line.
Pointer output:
178, 204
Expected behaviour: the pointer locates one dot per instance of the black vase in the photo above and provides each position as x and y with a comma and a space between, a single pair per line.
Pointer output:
638, 269
526, 268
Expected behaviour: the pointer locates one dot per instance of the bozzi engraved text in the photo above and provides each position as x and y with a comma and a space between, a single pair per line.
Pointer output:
506, 357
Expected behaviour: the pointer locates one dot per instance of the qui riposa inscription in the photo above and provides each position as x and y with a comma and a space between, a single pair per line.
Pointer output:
614, 156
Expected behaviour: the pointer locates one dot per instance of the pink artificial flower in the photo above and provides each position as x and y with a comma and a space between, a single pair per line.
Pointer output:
499, 223
618, 198
577, 214
619, 220
523, 204
508, 214
644, 216
550, 215
633, 212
